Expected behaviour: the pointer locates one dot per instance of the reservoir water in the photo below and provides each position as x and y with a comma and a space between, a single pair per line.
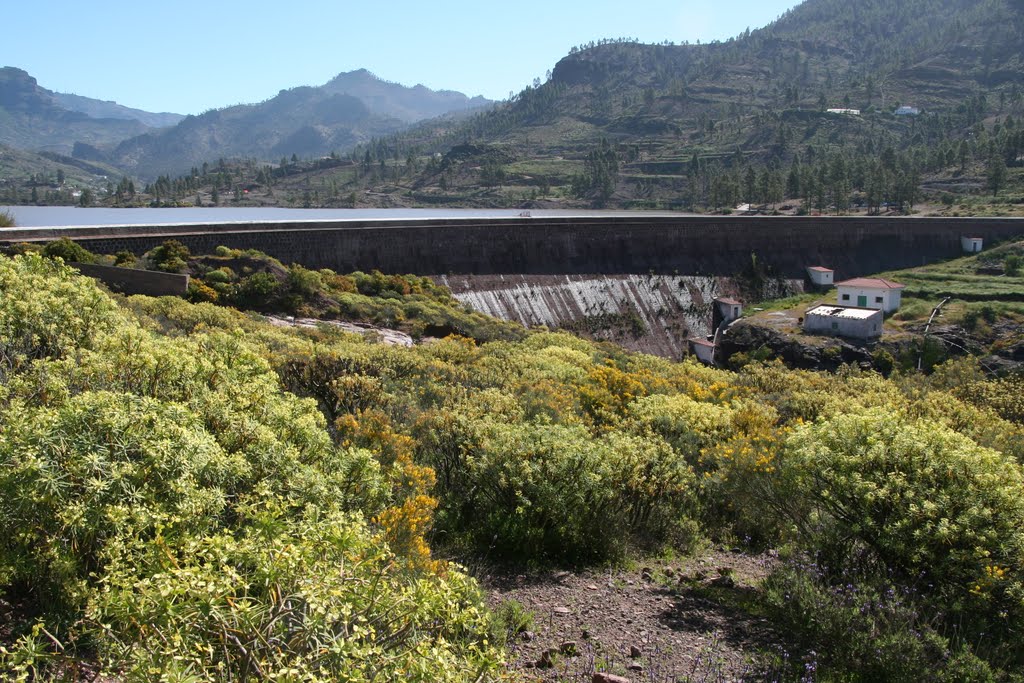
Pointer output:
65, 216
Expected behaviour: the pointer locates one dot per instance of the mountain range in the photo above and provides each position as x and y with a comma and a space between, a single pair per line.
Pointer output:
671, 119
624, 122
305, 121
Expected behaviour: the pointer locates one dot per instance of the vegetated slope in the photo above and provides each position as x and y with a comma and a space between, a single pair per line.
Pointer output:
677, 116
168, 505
105, 109
304, 121
51, 175
34, 118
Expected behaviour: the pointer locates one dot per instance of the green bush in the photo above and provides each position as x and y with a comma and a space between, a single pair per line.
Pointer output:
220, 275
6, 219
510, 618
70, 252
546, 493
922, 503
165, 507
1011, 265
172, 257
860, 632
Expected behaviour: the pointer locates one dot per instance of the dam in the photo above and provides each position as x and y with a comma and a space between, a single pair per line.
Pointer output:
558, 245
645, 281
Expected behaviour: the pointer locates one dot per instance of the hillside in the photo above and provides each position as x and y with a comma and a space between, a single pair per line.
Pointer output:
305, 121
48, 177
683, 123
37, 119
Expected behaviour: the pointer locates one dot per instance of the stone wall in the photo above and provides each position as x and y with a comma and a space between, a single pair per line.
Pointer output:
131, 281
690, 245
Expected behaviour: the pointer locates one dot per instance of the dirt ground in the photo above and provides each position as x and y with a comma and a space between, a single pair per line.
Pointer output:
685, 620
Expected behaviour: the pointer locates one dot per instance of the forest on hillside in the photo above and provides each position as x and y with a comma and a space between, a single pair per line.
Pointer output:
190, 493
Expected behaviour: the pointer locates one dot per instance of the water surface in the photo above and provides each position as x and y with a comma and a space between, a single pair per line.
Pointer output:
68, 216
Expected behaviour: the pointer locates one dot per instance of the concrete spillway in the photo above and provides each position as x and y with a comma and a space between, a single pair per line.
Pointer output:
649, 313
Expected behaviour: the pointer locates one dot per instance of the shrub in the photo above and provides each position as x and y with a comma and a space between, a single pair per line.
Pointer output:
172, 257
46, 310
6, 219
199, 292
862, 632
883, 361
70, 252
221, 275
166, 507
917, 500
510, 618
1011, 265
550, 493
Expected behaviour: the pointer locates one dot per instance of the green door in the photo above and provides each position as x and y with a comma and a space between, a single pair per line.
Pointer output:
862, 301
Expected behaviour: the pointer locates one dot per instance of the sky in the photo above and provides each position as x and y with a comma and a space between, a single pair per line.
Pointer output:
188, 56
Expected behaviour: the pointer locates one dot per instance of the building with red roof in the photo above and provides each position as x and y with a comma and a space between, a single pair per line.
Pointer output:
870, 292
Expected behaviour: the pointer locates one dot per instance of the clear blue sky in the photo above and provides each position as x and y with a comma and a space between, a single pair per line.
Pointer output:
188, 56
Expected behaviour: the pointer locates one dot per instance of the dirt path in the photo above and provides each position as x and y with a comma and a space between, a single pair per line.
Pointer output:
686, 620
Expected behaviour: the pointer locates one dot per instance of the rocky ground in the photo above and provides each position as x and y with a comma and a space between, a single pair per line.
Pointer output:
686, 620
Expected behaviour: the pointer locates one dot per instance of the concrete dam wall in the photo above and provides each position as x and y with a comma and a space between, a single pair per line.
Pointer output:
687, 245
645, 282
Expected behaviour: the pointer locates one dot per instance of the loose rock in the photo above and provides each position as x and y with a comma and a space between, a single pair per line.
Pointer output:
608, 678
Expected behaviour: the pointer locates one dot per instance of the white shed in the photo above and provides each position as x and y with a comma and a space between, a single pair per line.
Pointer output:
820, 276
870, 292
703, 349
728, 308
844, 321
971, 245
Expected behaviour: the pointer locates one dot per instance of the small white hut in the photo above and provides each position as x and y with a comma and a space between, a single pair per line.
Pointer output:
971, 245
820, 276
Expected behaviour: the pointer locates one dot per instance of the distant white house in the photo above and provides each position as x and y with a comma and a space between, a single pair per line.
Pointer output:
844, 321
870, 292
848, 112
907, 111
703, 350
820, 276
725, 311
971, 245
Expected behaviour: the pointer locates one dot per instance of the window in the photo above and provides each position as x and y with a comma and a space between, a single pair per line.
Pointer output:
835, 326
846, 297
878, 299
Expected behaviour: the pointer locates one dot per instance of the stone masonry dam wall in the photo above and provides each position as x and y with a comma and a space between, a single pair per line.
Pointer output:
689, 245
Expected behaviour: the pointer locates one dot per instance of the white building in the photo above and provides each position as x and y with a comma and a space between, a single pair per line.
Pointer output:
907, 111
971, 245
724, 311
848, 112
820, 276
844, 321
703, 350
870, 292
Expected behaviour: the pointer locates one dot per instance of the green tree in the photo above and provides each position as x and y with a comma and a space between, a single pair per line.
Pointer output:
995, 173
